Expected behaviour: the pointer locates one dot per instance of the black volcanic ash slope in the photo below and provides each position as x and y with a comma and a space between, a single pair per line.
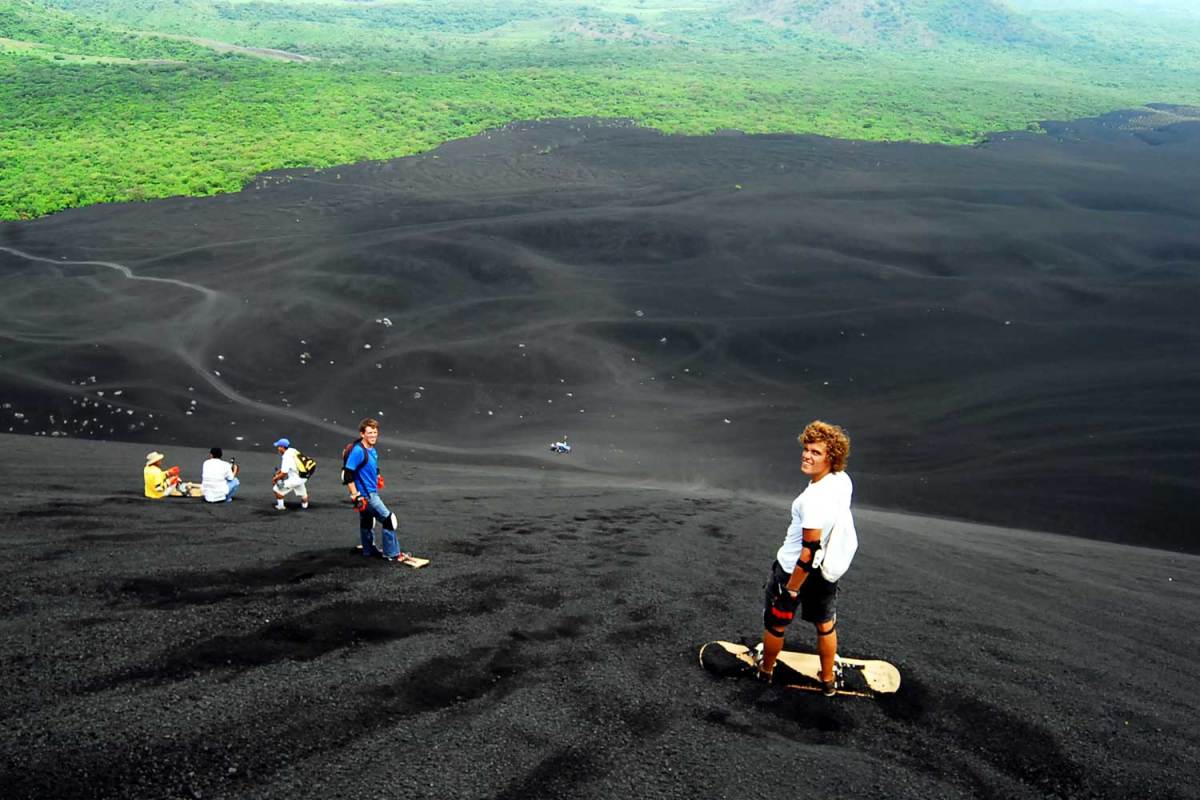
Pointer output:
177, 649
1008, 331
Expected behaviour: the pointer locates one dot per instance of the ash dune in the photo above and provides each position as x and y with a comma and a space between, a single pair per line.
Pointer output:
1008, 331
178, 649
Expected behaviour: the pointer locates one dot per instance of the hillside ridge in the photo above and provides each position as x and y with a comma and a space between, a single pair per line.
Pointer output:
923, 23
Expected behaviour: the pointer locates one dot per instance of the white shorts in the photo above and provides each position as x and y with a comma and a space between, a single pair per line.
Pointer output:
290, 484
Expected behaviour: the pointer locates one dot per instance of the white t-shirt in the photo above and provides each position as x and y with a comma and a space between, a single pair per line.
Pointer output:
213, 477
289, 466
818, 506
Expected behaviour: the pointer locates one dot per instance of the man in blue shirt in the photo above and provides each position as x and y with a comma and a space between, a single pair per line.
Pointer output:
362, 477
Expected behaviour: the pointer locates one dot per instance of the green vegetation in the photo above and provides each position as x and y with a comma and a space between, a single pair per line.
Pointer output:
95, 107
22, 21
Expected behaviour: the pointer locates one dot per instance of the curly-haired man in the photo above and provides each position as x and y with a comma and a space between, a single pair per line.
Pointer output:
795, 581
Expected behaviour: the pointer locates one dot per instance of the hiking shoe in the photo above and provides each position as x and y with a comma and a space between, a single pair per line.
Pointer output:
756, 653
830, 688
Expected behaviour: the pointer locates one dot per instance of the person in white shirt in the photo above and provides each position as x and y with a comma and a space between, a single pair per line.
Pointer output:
218, 478
795, 581
287, 477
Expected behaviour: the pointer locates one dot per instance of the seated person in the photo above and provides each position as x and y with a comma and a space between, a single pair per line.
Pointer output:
159, 482
218, 478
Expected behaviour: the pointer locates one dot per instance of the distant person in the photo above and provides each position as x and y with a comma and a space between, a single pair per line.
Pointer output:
287, 477
795, 582
219, 478
363, 479
159, 482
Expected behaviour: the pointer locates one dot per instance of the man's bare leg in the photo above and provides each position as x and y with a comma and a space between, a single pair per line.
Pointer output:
827, 647
772, 644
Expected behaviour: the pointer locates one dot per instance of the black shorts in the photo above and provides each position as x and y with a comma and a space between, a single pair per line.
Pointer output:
818, 598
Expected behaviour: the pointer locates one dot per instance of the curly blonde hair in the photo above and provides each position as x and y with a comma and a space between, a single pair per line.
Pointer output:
837, 443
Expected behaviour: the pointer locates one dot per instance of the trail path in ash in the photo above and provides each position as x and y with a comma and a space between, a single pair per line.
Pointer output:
207, 293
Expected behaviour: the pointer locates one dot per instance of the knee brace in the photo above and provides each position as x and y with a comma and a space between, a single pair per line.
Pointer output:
390, 523
829, 632
776, 619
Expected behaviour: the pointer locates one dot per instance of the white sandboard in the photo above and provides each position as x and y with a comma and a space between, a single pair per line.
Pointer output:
860, 677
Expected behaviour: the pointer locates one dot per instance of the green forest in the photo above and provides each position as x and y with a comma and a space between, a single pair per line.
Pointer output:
119, 100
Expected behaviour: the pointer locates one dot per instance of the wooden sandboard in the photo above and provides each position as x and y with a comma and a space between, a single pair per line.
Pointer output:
411, 561
860, 677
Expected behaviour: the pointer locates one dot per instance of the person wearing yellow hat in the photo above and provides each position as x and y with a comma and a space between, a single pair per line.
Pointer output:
159, 482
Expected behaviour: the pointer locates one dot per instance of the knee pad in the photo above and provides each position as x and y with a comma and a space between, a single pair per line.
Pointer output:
775, 620
390, 523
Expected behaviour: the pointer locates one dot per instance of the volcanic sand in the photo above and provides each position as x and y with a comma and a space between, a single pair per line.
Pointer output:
1007, 331
181, 649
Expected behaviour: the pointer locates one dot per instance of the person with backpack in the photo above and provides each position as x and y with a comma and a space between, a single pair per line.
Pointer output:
287, 478
797, 580
361, 475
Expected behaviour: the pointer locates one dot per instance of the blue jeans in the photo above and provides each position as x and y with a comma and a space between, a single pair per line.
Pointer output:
233, 484
366, 528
